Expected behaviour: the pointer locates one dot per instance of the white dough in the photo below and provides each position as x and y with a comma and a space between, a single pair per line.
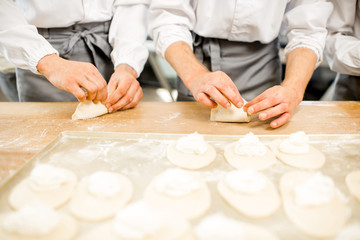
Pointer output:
190, 160
234, 114
142, 222
313, 159
93, 202
246, 193
322, 220
89, 109
353, 183
189, 203
25, 192
220, 227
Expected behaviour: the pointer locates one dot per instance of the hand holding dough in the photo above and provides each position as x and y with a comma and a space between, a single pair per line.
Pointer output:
89, 109
234, 114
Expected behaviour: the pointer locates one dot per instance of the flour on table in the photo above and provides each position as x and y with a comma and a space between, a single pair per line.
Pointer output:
179, 191
296, 151
312, 202
50, 185
37, 221
89, 109
234, 114
142, 222
191, 152
100, 195
245, 190
353, 183
249, 152
221, 227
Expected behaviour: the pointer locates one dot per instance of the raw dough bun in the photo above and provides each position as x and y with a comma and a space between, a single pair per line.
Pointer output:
89, 109
86, 206
314, 159
251, 205
323, 221
220, 227
23, 194
243, 162
190, 206
65, 230
353, 183
188, 160
234, 114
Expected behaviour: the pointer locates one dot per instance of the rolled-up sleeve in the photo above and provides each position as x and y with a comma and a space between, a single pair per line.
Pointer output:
306, 21
342, 46
128, 32
170, 22
20, 42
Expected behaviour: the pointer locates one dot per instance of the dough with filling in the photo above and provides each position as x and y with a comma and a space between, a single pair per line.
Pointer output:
353, 183
191, 205
89, 109
23, 193
314, 159
190, 160
244, 161
90, 207
251, 204
321, 221
233, 114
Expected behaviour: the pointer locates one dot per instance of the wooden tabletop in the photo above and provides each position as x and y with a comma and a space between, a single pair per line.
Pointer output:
25, 128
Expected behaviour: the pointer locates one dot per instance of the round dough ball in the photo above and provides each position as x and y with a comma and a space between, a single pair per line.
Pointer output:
353, 183
65, 230
190, 161
89, 207
190, 206
23, 193
243, 162
314, 159
320, 221
251, 204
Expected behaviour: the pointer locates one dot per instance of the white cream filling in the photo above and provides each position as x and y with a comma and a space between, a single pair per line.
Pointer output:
315, 191
251, 146
32, 220
176, 183
138, 221
193, 144
219, 227
247, 181
297, 143
45, 177
104, 184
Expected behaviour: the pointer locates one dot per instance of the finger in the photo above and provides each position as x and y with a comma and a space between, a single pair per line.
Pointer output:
284, 118
90, 89
138, 96
262, 105
123, 87
232, 93
127, 98
78, 93
205, 100
217, 96
274, 111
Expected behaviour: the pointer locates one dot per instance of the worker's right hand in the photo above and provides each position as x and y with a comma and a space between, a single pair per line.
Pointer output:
215, 85
73, 77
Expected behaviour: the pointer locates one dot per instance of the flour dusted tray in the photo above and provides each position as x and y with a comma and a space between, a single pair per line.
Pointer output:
141, 157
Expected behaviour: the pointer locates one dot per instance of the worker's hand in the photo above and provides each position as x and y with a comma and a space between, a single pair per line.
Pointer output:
278, 101
215, 85
124, 90
73, 77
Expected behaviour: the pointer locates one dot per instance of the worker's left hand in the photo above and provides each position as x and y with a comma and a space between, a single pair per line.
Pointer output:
278, 101
124, 90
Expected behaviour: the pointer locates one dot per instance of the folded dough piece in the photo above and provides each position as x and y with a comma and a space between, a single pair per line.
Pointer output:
89, 109
234, 114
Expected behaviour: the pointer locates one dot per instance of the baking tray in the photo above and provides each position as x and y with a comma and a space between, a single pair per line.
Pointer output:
141, 156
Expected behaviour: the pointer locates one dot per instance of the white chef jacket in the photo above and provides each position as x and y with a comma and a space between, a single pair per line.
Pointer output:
240, 20
343, 42
23, 46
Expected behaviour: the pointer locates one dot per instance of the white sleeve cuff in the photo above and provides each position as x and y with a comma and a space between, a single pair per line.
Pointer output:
315, 47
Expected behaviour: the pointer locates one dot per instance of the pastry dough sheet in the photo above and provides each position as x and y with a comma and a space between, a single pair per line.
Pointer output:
141, 157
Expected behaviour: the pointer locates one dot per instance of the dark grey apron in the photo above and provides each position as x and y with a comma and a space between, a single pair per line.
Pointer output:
347, 88
81, 42
253, 67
